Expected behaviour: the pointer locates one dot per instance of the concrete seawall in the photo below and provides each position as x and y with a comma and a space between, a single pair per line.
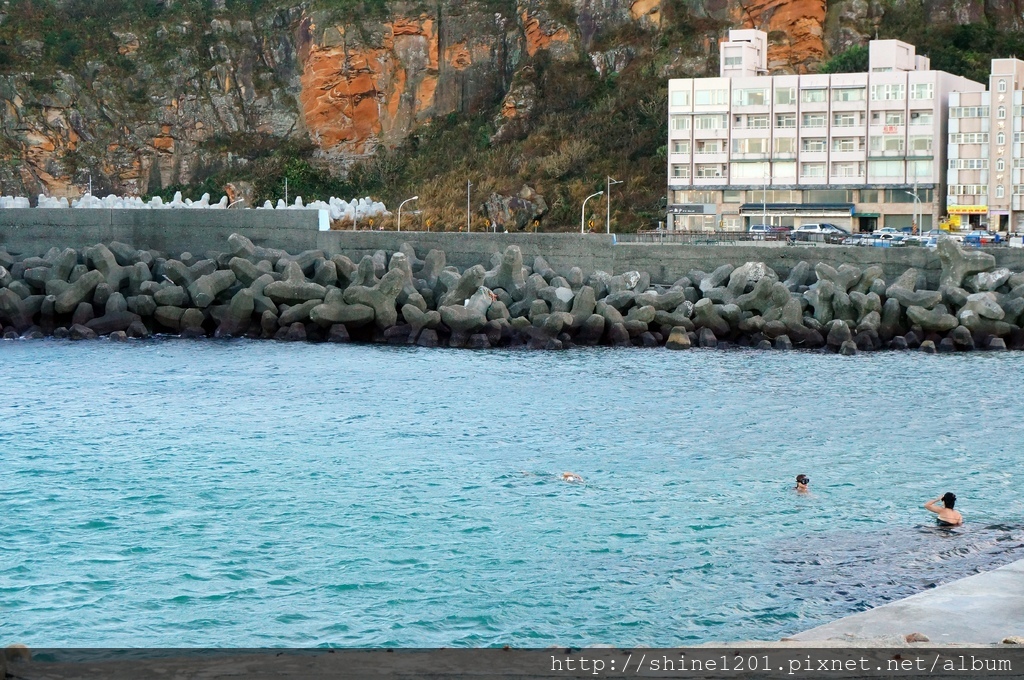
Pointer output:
666, 263
34, 231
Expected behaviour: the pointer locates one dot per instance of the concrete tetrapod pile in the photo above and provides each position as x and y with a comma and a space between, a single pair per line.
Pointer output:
118, 291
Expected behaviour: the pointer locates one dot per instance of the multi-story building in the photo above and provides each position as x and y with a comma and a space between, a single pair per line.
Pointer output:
860, 150
984, 175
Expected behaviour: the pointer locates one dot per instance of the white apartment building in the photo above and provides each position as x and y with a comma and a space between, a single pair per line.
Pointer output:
985, 167
860, 150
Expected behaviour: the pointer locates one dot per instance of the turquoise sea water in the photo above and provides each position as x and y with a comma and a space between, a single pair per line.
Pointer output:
173, 493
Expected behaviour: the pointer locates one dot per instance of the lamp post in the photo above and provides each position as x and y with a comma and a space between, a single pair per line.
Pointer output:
400, 210
764, 199
469, 191
583, 213
917, 203
608, 198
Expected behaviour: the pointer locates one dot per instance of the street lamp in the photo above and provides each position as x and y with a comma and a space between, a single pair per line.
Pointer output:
917, 203
583, 213
608, 198
469, 192
400, 210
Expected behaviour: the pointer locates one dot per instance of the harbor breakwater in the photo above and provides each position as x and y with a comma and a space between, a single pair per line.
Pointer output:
410, 297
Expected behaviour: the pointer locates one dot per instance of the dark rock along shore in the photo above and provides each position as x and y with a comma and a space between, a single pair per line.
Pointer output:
117, 291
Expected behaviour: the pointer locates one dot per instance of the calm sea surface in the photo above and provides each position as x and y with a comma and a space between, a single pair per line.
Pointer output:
173, 493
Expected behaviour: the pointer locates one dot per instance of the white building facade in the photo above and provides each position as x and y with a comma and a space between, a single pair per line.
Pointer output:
985, 172
859, 150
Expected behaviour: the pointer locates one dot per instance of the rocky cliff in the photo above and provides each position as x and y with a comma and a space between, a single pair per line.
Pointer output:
146, 94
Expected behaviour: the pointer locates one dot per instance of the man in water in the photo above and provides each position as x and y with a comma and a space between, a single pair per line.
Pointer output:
801, 483
947, 516
571, 477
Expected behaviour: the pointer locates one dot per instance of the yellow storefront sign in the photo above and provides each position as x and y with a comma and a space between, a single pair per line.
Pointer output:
968, 210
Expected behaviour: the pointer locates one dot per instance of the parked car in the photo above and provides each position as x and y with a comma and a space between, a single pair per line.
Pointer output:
980, 237
888, 230
822, 228
758, 232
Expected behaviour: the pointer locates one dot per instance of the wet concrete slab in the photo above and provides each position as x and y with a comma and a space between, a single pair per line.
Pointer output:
981, 609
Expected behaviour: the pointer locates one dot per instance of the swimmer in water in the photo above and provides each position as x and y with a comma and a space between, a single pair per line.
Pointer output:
801, 483
571, 477
947, 516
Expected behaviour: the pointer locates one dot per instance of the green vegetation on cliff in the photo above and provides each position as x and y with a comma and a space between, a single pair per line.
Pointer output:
592, 111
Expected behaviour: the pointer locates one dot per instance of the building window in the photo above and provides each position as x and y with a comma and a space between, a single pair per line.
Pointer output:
969, 112
968, 189
1000, 191
681, 172
732, 196
785, 120
813, 96
905, 196
848, 144
775, 196
710, 171
814, 120
920, 145
968, 138
848, 94
750, 97
680, 122
887, 92
785, 95
681, 98
1001, 112
1000, 139
894, 118
887, 143
968, 164
917, 170
1002, 86
706, 146
921, 91
785, 145
709, 122
734, 61
844, 119
813, 144
711, 97
681, 146
885, 170
869, 195
749, 171
784, 171
848, 169
828, 196
695, 197
812, 169
750, 145
921, 117
759, 122
1000, 165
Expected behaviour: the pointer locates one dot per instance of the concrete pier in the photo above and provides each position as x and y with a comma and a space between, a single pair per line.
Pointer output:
980, 609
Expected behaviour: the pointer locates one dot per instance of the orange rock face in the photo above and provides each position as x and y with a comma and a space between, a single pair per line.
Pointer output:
795, 28
354, 95
646, 10
538, 39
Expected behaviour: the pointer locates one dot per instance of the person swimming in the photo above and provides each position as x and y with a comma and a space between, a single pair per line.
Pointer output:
801, 483
571, 477
947, 516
